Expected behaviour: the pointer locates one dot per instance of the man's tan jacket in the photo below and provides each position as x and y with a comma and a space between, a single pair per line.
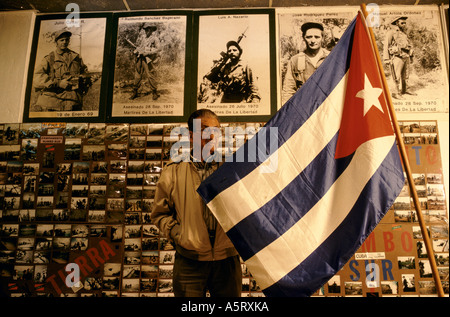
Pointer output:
178, 213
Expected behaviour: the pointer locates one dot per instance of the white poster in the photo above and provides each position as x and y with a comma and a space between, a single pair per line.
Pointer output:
234, 64
68, 68
149, 66
305, 38
409, 40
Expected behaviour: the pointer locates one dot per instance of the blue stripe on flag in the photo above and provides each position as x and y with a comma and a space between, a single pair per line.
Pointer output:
288, 119
285, 209
339, 247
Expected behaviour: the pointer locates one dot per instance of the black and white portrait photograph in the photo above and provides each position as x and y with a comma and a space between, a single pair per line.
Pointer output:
411, 47
66, 80
234, 64
305, 38
149, 72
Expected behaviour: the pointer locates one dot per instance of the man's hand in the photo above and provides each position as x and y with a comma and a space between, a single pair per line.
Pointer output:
65, 83
175, 233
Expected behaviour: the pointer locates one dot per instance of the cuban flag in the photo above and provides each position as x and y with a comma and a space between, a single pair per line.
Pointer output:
338, 172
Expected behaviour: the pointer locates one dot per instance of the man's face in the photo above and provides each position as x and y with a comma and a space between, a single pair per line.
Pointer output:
63, 42
313, 38
210, 132
233, 52
401, 25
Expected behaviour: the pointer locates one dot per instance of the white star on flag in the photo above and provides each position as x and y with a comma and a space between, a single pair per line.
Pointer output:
370, 95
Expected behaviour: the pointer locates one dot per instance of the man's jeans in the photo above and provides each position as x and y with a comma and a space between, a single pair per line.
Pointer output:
193, 278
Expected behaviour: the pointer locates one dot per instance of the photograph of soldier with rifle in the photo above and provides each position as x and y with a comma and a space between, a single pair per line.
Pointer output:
229, 80
234, 64
410, 43
146, 50
68, 68
398, 53
149, 66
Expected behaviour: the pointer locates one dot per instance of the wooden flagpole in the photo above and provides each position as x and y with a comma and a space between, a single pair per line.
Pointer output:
405, 161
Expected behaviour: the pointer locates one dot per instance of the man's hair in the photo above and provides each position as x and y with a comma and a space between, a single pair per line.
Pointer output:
311, 25
200, 113
235, 44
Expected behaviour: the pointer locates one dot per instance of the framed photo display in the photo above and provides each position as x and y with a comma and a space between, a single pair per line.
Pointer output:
67, 77
305, 37
236, 63
410, 43
151, 75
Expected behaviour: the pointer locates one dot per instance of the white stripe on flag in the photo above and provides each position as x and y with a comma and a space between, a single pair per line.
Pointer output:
284, 254
257, 188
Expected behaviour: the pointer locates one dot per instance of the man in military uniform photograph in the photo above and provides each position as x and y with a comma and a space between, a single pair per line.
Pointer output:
398, 54
302, 65
147, 51
232, 78
61, 78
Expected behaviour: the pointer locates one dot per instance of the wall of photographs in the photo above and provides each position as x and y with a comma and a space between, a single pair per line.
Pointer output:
82, 193
133, 66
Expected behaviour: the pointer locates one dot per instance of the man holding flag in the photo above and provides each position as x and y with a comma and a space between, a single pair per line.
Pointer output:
297, 227
205, 258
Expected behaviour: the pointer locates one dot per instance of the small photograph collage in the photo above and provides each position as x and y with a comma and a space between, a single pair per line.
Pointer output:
398, 267
420, 137
69, 191
397, 246
83, 193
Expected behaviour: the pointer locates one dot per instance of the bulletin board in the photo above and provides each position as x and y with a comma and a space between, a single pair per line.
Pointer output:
78, 176
83, 192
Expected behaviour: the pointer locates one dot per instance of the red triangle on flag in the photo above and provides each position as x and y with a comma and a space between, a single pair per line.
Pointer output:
365, 114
